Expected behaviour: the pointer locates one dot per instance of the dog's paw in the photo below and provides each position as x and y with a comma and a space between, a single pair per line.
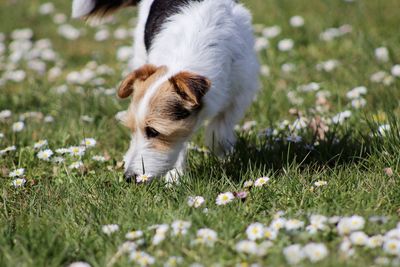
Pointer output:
172, 177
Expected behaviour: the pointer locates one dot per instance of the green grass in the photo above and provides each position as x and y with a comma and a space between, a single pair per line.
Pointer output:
56, 218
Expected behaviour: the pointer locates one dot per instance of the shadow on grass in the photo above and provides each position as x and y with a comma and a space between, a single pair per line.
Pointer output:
266, 153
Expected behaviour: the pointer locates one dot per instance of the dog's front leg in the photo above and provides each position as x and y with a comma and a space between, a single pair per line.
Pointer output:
172, 177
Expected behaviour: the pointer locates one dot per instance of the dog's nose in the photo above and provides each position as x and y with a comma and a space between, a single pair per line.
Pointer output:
130, 177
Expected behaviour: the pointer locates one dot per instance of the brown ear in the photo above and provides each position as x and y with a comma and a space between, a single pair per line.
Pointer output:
191, 87
126, 87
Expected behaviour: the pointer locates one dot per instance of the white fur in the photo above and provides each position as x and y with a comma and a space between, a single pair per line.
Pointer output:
210, 38
81, 8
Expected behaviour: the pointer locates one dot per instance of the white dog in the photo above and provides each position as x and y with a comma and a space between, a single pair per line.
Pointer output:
194, 62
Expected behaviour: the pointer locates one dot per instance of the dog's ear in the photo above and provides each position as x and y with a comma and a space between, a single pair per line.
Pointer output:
141, 74
191, 87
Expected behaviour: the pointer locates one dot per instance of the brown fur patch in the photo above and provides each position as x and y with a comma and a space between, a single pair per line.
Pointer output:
172, 110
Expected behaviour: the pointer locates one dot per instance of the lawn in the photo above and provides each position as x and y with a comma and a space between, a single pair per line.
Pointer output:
324, 132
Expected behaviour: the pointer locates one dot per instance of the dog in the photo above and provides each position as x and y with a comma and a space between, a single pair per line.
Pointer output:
194, 63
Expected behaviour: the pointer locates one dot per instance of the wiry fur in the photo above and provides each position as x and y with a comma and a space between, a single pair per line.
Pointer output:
209, 39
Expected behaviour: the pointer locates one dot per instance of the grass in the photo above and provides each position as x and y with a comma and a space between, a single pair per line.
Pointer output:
56, 217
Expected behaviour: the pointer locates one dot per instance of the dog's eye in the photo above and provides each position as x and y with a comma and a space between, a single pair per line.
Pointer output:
151, 132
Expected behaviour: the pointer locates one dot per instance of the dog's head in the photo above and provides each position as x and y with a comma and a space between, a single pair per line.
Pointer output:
161, 117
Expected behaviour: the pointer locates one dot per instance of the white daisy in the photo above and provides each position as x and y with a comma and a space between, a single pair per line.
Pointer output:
18, 126
19, 182
255, 231
261, 181
144, 178
246, 246
89, 142
108, 229
297, 21
315, 251
40, 144
294, 254
278, 224
196, 201
396, 70
76, 151
173, 261
142, 258
224, 198
382, 54
206, 236
392, 247
180, 227
45, 154
293, 224
270, 233
285, 45
99, 158
76, 165
375, 241
17, 173
320, 183
132, 235
79, 264
358, 238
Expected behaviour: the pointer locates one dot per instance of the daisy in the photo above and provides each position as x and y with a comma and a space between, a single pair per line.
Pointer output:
347, 225
76, 165
206, 236
17, 173
356, 92
382, 54
79, 264
358, 238
293, 224
278, 224
108, 229
315, 251
127, 246
62, 151
173, 261
320, 183
255, 231
76, 151
160, 235
19, 182
40, 144
180, 227
89, 142
297, 21
396, 70
392, 247
285, 45
224, 198
18, 126
246, 246
271, 32
142, 258
248, 184
375, 241
45, 154
261, 181
294, 254
196, 201
5, 114
8, 149
134, 235
270, 233
99, 158
144, 178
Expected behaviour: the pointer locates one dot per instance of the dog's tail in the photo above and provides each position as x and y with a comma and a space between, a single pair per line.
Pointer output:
92, 9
